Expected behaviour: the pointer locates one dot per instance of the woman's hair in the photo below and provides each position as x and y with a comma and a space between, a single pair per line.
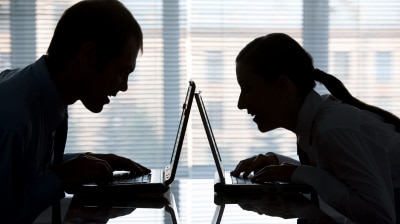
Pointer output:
107, 23
278, 54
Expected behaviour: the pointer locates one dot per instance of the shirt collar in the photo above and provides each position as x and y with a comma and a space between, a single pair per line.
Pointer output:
50, 97
305, 118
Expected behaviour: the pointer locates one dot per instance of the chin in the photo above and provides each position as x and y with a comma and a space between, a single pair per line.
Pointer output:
264, 129
94, 108
97, 110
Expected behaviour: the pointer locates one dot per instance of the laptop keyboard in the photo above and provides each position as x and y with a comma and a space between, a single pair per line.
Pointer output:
241, 180
125, 178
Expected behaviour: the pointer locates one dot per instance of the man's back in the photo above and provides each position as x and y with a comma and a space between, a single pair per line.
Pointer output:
27, 120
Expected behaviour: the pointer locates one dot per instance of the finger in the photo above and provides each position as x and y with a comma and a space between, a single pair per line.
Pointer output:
116, 162
261, 179
104, 170
251, 167
138, 170
135, 169
108, 171
105, 173
237, 170
242, 165
258, 163
263, 176
127, 164
144, 169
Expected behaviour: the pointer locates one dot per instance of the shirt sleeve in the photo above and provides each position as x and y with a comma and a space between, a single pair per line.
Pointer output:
354, 178
68, 156
285, 159
23, 198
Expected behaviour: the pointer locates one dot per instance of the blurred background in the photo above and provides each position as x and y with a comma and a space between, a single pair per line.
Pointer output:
358, 41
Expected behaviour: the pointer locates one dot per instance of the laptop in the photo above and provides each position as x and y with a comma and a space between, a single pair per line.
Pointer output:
158, 180
225, 183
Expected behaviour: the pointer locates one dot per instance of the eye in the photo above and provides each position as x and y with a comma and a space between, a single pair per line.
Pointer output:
124, 73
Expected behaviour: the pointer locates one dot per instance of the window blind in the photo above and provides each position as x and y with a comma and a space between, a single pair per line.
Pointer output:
358, 40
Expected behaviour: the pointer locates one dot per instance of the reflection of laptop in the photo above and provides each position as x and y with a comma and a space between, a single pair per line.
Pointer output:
84, 209
219, 211
158, 180
224, 183
297, 207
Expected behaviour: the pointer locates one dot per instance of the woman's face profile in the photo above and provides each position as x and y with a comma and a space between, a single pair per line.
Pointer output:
260, 97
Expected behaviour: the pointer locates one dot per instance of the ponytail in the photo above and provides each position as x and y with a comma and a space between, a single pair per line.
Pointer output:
338, 90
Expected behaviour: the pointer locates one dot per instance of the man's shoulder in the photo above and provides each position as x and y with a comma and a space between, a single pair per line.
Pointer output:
18, 112
4, 75
17, 96
11, 77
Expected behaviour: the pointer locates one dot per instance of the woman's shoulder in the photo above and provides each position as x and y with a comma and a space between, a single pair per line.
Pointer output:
334, 114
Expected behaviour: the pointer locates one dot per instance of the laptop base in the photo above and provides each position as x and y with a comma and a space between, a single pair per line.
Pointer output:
226, 187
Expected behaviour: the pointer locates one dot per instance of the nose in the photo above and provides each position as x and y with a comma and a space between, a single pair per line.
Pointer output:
124, 85
241, 102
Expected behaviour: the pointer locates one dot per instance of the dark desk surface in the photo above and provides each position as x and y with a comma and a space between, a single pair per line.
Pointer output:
193, 201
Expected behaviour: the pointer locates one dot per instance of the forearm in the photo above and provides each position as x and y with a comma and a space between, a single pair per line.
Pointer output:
284, 159
68, 156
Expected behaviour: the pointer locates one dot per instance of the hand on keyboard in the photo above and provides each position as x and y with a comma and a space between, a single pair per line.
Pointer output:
272, 173
241, 180
254, 164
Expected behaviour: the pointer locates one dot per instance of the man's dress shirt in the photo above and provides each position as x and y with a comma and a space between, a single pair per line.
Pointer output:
30, 112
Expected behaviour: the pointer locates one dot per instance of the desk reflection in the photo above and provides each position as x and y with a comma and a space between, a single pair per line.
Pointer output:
118, 209
192, 201
295, 208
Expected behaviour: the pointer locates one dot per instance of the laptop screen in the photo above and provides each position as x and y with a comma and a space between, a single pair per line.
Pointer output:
210, 136
182, 125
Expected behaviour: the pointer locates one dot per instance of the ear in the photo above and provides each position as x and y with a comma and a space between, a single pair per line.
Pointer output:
87, 54
286, 85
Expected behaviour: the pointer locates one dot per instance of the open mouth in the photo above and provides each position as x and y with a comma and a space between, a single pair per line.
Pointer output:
111, 95
108, 99
253, 116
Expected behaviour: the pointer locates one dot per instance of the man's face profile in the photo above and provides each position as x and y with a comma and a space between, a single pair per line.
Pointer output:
112, 78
